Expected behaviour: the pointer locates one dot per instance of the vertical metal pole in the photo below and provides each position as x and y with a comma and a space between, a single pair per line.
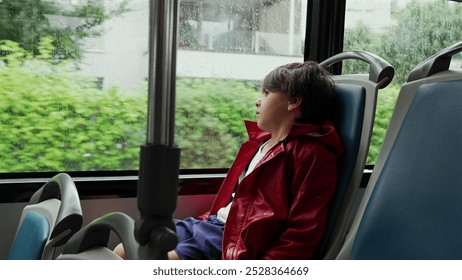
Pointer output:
159, 161
162, 63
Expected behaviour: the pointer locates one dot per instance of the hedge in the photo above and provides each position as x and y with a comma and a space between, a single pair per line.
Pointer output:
58, 122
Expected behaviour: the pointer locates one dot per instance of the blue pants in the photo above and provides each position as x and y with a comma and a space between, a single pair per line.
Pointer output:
199, 240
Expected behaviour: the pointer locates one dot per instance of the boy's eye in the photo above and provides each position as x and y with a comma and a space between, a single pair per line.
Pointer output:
265, 92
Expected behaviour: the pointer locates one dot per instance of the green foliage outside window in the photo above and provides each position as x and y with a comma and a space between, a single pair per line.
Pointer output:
52, 119
209, 120
422, 29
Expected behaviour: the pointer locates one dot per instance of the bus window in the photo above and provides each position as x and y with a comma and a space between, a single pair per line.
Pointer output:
73, 94
403, 32
74, 79
225, 49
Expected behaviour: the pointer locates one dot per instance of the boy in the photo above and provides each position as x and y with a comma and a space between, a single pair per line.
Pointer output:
281, 181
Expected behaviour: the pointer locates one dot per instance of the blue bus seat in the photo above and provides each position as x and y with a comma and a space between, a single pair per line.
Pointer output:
412, 204
51, 217
354, 117
31, 237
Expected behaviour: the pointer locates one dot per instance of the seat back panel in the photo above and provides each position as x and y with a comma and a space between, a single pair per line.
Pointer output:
413, 211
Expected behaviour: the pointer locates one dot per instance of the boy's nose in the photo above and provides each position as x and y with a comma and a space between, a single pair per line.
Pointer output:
257, 102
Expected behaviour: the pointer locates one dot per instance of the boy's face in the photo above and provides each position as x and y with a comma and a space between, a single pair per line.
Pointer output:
272, 110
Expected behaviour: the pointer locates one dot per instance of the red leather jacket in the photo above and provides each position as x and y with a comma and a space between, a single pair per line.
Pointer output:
279, 210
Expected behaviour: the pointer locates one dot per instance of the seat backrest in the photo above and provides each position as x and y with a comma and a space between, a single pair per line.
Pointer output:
51, 217
91, 242
412, 204
354, 117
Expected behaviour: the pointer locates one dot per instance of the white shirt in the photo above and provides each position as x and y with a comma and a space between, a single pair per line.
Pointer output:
222, 214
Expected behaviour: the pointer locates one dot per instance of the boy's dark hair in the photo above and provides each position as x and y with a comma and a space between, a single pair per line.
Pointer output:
309, 81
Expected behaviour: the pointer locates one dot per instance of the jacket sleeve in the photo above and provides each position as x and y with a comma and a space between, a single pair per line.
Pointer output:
312, 187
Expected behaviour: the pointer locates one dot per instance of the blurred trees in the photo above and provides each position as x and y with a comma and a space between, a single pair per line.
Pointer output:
28, 21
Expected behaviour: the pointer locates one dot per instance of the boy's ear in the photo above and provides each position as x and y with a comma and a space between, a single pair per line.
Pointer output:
295, 104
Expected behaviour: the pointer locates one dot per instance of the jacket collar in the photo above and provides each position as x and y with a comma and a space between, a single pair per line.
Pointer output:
326, 133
